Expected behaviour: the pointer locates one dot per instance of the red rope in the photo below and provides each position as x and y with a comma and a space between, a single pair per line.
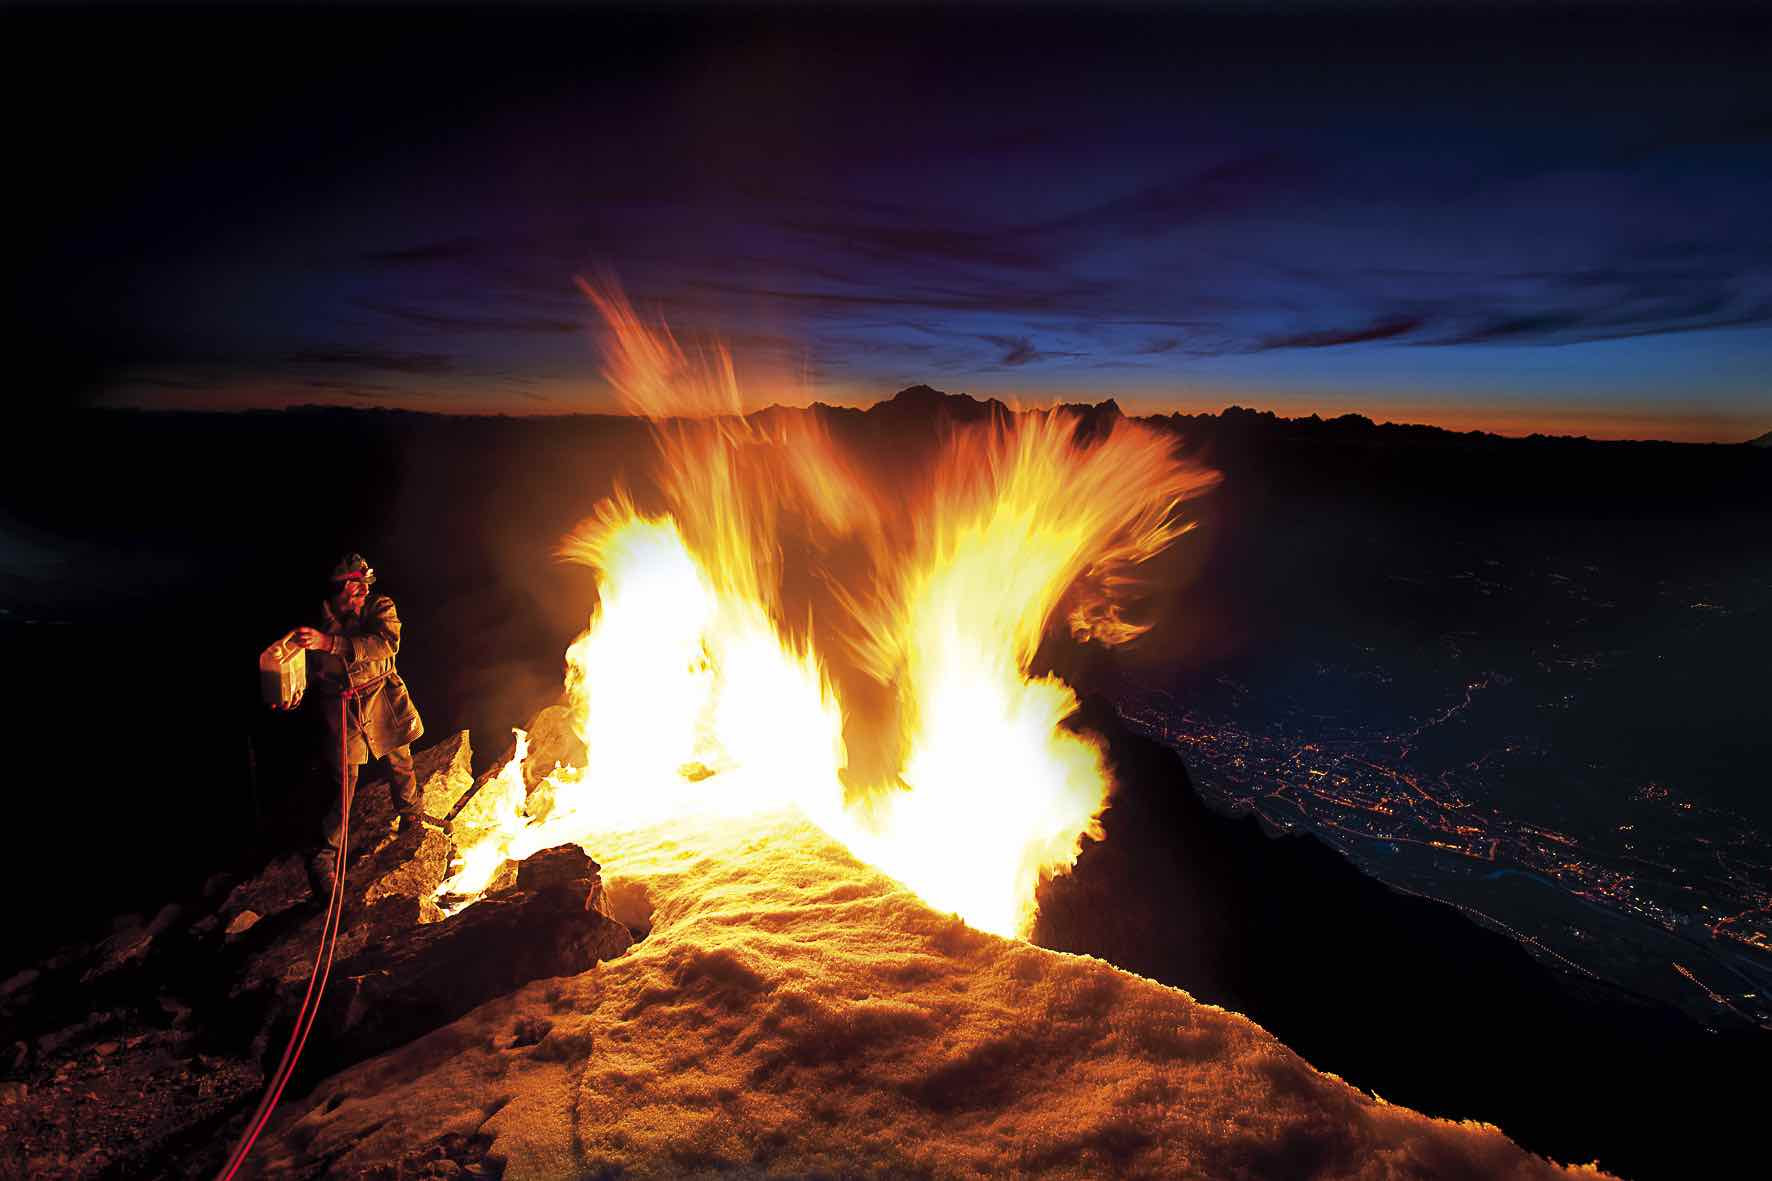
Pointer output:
310, 1005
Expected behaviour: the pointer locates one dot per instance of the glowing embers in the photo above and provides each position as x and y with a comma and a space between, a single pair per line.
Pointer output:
695, 697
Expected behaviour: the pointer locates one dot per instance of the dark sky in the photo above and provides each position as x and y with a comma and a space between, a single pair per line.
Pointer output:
1514, 216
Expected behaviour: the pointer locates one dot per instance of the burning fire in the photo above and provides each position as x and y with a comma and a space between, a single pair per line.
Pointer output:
697, 695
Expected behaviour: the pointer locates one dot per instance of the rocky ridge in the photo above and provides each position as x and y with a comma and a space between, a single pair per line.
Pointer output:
143, 1054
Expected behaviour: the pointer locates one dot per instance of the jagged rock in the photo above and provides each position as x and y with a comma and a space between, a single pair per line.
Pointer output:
561, 866
565, 867
445, 773
79, 1033
242, 923
414, 876
491, 794
280, 885
406, 979
505, 879
400, 968
553, 741
16, 988
598, 900
130, 944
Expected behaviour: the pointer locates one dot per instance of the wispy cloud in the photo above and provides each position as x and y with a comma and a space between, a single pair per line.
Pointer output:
1017, 350
373, 359
452, 322
923, 243
426, 253
364, 390
1386, 329
1235, 186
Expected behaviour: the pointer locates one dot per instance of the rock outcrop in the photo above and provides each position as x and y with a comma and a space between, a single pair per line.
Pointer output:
143, 1054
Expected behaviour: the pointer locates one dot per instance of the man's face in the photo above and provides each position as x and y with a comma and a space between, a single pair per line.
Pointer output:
348, 596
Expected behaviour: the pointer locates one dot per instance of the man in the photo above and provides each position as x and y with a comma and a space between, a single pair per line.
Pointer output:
353, 674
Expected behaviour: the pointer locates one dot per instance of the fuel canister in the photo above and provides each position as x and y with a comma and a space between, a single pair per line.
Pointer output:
283, 672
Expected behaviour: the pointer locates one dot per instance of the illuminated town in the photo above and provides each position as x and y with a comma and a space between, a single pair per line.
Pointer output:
1676, 902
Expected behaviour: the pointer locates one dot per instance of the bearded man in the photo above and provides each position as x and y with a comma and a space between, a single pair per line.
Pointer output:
368, 712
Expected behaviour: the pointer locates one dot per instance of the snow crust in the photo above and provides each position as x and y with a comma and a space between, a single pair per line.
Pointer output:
794, 1013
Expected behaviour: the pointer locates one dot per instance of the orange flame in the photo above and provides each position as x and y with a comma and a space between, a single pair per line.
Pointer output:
695, 697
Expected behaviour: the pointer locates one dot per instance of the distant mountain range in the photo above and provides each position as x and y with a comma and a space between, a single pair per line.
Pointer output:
962, 407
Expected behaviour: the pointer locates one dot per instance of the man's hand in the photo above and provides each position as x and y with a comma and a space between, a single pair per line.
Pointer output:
294, 702
313, 641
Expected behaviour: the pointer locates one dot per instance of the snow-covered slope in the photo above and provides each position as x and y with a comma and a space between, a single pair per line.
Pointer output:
794, 1013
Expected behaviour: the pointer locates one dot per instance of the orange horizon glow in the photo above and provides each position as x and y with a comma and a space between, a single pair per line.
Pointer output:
1638, 422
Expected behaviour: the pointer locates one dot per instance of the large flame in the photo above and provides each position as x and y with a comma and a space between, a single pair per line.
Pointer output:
697, 695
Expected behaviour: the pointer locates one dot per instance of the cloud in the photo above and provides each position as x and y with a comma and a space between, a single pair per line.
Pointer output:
980, 297
351, 389
430, 364
448, 250
1509, 328
1233, 186
164, 382
1572, 325
924, 243
1017, 350
1021, 350
449, 322
1385, 329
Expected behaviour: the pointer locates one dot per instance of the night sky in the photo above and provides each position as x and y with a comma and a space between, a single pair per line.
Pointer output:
1509, 217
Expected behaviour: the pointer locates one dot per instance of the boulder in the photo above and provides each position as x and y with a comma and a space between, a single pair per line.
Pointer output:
561, 867
445, 777
278, 886
550, 741
413, 870
17, 987
242, 923
553, 741
445, 774
379, 867
130, 944
394, 978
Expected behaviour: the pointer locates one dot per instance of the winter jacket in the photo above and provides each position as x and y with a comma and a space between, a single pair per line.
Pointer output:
381, 717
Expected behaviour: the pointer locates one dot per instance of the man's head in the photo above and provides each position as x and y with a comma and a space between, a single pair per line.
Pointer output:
351, 580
